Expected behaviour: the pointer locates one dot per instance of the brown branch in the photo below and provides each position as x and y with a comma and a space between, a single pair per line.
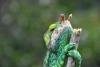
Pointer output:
74, 39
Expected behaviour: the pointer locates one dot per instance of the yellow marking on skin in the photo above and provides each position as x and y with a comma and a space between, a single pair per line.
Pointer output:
52, 26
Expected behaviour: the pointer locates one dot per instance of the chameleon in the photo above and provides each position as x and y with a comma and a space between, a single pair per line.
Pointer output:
57, 39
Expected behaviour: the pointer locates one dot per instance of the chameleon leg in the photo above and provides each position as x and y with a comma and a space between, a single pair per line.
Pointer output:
62, 54
45, 63
76, 56
57, 61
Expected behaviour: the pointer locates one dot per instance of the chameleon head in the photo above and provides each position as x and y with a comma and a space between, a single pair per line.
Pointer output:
64, 25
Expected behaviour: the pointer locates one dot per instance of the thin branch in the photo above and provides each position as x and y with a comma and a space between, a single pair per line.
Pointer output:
74, 39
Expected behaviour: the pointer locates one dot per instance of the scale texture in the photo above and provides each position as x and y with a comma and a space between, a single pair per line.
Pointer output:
59, 50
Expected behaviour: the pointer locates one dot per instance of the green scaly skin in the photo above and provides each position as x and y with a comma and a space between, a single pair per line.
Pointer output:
56, 55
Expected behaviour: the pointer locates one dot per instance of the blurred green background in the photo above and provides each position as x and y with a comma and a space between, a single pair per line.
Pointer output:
24, 22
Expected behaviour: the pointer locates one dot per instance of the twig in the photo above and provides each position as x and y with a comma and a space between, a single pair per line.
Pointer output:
74, 39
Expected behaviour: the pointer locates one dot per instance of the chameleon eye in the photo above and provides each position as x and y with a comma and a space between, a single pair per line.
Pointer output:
52, 29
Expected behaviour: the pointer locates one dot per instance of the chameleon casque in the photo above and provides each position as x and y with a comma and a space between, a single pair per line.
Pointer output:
57, 39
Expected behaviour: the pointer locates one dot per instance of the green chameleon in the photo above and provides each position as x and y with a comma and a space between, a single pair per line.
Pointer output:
59, 46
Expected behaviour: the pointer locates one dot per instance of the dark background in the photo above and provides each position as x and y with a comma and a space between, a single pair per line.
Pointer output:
24, 22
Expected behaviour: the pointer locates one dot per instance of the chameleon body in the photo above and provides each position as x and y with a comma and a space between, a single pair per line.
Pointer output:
61, 48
